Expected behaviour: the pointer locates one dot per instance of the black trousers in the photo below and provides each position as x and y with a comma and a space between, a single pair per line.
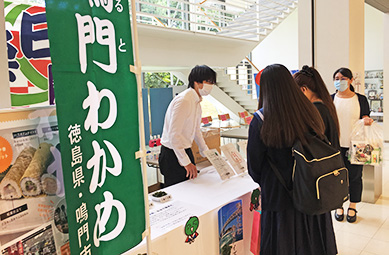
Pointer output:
170, 168
354, 176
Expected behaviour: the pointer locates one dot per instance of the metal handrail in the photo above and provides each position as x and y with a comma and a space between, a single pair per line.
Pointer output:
245, 19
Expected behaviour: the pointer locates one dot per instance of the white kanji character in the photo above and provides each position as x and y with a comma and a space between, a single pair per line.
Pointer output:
107, 4
86, 250
81, 213
106, 206
56, 167
105, 35
74, 133
93, 103
94, 163
76, 155
86, 35
78, 177
81, 231
43, 116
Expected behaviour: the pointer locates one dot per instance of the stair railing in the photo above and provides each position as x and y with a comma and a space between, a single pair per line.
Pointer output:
244, 19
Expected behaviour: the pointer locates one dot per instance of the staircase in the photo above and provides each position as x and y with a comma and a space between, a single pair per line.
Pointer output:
177, 35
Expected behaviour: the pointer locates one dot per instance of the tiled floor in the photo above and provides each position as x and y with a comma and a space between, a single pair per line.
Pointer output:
370, 234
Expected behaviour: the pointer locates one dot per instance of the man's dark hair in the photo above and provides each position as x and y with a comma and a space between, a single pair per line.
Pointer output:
288, 112
200, 74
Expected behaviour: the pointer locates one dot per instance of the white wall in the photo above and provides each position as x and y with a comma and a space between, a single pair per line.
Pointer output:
374, 38
280, 46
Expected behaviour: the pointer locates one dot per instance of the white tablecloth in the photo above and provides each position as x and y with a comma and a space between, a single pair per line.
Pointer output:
201, 197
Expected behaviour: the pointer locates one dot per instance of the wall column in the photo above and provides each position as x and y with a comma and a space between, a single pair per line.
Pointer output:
386, 77
339, 38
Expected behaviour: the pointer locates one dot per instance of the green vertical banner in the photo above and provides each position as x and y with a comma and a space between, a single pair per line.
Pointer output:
97, 108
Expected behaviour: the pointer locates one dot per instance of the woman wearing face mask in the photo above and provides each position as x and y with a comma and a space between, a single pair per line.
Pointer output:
350, 107
182, 126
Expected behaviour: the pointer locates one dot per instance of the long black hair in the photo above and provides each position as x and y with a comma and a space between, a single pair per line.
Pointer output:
309, 77
288, 113
200, 74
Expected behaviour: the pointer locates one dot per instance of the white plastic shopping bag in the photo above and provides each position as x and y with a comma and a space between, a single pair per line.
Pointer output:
366, 144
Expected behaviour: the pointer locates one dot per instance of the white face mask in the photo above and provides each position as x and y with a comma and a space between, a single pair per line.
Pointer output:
341, 85
206, 90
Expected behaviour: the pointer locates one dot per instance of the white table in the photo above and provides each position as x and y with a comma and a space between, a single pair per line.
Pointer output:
237, 133
201, 197
378, 116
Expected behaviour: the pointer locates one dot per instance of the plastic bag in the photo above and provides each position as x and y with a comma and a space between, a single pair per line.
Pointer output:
366, 144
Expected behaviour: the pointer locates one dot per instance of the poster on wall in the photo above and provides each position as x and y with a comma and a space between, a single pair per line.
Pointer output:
29, 64
96, 99
31, 184
230, 219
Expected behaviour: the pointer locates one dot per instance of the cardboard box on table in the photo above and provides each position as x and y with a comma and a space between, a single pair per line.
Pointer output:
212, 139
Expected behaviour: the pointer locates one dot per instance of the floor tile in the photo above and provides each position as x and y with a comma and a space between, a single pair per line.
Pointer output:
382, 235
343, 250
368, 253
386, 224
377, 247
360, 228
347, 239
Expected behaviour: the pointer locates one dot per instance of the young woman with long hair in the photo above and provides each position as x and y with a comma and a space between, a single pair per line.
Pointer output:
287, 116
314, 88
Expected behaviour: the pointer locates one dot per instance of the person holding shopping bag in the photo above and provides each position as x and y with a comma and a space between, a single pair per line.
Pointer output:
350, 107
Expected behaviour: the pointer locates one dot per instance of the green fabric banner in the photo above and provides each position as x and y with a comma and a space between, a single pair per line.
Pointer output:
97, 108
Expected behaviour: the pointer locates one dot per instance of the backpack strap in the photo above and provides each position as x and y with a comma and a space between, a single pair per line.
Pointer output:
279, 177
259, 114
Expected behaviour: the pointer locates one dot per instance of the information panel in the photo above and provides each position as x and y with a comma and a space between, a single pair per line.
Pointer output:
97, 108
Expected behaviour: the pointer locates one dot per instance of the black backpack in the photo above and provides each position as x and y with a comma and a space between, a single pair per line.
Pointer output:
320, 178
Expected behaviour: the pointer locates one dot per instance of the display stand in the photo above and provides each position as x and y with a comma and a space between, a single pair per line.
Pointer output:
372, 183
201, 197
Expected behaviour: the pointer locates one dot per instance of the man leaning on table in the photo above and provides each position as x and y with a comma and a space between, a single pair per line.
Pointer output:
182, 126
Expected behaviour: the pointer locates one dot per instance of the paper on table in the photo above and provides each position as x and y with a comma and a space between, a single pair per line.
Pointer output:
243, 147
234, 157
221, 166
170, 216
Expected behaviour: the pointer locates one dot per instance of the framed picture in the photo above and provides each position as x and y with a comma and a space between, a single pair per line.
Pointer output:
375, 105
371, 94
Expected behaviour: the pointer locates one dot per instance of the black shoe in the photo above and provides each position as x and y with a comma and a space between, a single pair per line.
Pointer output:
351, 219
339, 217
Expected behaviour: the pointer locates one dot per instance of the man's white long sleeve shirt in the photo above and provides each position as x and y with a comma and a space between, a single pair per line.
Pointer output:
182, 125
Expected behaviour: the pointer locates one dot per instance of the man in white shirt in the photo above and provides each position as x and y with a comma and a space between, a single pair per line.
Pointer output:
182, 126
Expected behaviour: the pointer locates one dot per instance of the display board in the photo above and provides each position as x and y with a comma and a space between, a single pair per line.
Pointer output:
96, 99
31, 82
374, 89
33, 217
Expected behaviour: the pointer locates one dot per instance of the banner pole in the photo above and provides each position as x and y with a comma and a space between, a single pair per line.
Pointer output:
137, 69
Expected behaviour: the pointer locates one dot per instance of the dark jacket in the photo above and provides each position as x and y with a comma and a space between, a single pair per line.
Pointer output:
363, 105
331, 131
274, 196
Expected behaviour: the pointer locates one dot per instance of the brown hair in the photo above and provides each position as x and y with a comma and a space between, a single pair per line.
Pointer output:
309, 77
289, 115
